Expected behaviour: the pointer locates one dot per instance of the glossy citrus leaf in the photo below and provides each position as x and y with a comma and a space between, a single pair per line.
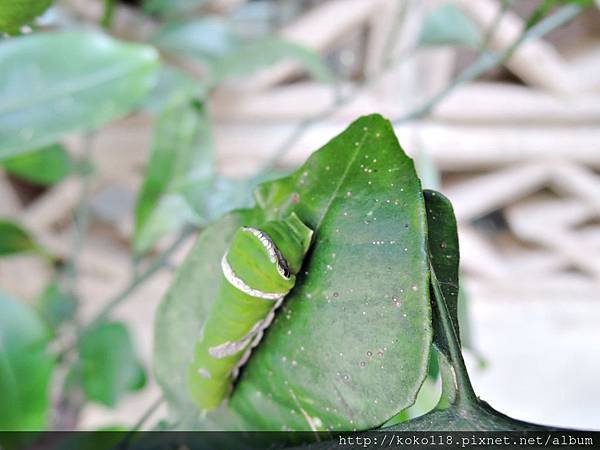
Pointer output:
444, 254
358, 320
57, 83
442, 241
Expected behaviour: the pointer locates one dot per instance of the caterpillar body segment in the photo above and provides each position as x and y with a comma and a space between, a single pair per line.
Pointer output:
258, 270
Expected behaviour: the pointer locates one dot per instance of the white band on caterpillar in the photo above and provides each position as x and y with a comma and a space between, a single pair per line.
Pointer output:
275, 255
240, 285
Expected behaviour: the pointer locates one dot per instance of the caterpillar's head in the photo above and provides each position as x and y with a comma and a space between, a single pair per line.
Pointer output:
291, 239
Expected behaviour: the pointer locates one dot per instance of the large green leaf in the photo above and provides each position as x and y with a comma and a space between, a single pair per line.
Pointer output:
55, 83
442, 242
108, 365
15, 239
178, 176
47, 165
459, 408
228, 55
14, 13
358, 320
25, 367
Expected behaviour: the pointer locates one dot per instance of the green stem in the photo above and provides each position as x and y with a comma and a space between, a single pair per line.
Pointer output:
160, 262
108, 15
464, 389
81, 217
488, 61
138, 425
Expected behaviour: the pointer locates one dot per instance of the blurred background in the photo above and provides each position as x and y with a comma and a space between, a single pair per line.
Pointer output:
510, 135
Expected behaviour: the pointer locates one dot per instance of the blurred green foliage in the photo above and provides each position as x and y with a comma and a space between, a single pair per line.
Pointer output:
45, 166
25, 367
108, 366
57, 83
15, 13
15, 239
448, 25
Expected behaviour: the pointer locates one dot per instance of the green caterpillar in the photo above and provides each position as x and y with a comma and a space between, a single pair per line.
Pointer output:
258, 270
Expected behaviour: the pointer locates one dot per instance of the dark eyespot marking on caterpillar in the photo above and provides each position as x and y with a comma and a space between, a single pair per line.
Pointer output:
274, 253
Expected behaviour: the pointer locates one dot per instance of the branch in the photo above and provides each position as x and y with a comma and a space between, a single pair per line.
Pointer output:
81, 215
487, 61
484, 63
160, 262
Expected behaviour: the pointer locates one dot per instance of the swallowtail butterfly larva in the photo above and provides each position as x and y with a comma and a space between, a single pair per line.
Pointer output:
258, 270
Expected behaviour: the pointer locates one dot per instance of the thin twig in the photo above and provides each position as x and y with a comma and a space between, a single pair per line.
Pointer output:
304, 125
484, 62
160, 262
487, 61
138, 425
108, 14
490, 33
81, 216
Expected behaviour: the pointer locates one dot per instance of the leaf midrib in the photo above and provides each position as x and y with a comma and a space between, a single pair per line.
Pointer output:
341, 182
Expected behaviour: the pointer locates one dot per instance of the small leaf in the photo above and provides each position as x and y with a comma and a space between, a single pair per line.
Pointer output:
15, 239
45, 166
15, 13
448, 25
108, 365
25, 367
206, 39
442, 239
180, 170
228, 55
57, 83
56, 306
256, 55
